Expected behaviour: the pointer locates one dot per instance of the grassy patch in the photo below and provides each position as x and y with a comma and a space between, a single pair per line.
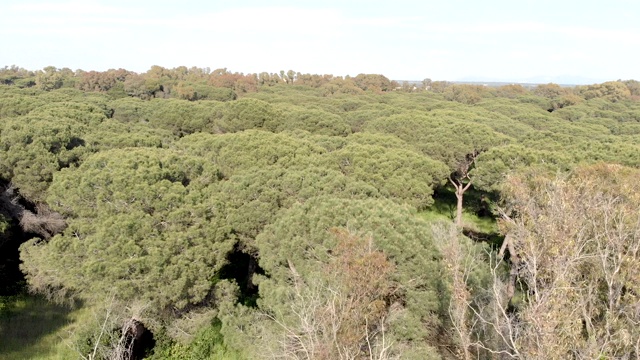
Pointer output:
479, 228
33, 328
472, 222
483, 225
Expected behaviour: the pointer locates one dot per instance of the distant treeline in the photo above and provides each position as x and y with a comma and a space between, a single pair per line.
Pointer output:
221, 84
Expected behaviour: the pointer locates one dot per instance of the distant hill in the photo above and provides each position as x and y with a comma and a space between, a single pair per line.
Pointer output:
528, 85
567, 80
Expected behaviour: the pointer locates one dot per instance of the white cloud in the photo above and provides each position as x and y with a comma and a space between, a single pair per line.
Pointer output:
627, 36
65, 8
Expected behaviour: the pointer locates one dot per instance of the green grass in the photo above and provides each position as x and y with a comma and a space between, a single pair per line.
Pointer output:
471, 222
444, 208
479, 229
483, 225
33, 328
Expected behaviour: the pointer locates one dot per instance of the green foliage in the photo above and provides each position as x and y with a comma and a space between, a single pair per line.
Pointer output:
113, 134
398, 174
165, 177
200, 91
494, 165
208, 344
181, 117
300, 238
49, 78
141, 225
33, 148
466, 94
130, 110
462, 139
245, 114
412, 127
178, 116
359, 118
86, 114
383, 140
373, 82
16, 103
238, 152
254, 198
315, 121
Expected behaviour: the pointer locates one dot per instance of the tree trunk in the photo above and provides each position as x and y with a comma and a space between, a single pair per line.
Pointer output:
459, 196
251, 269
460, 190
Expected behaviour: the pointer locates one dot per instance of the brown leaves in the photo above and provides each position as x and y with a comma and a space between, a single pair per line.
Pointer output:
340, 314
362, 274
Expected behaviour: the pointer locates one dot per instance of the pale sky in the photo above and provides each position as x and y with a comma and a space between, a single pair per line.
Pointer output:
510, 40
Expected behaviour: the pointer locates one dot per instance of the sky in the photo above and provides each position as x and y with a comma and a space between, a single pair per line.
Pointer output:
491, 40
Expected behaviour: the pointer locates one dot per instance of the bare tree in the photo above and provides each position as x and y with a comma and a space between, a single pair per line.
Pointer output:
576, 244
115, 333
42, 222
572, 290
458, 268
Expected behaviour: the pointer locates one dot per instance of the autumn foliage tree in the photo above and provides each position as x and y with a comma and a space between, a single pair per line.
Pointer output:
341, 314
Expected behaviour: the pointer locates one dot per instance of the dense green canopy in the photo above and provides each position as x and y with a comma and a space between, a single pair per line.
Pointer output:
203, 196
141, 225
300, 243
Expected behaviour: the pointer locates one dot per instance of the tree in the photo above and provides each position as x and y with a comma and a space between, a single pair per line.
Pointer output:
301, 239
446, 139
340, 314
550, 91
466, 94
466, 142
102, 81
440, 86
245, 114
16, 103
113, 134
495, 164
253, 199
634, 88
143, 225
511, 91
426, 84
49, 79
193, 91
402, 175
467, 272
359, 287
611, 90
373, 82
291, 77
237, 152
574, 241
34, 147
315, 121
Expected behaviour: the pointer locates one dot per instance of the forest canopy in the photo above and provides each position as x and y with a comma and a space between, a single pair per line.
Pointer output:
290, 215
